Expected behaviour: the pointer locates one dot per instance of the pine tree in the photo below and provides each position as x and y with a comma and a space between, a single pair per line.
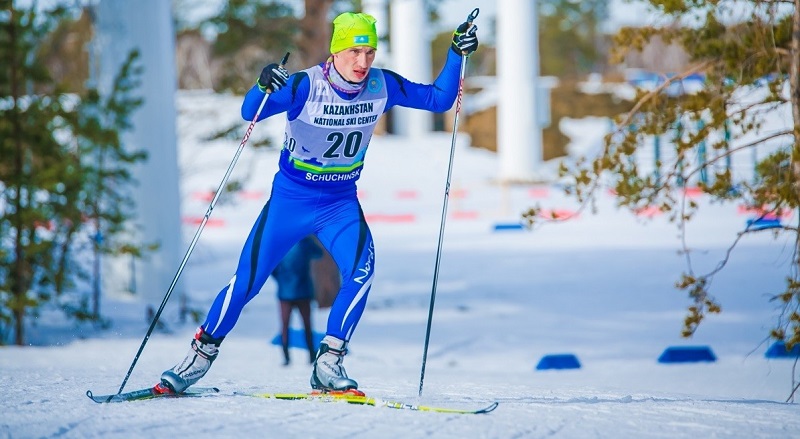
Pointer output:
570, 41
36, 171
250, 33
105, 162
52, 176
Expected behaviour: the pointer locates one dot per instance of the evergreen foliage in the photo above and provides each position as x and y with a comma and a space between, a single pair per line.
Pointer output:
53, 183
571, 43
249, 33
105, 200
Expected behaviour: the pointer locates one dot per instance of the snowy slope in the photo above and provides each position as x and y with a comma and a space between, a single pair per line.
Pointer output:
598, 286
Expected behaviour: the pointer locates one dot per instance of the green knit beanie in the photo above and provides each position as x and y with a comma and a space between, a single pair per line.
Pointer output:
351, 30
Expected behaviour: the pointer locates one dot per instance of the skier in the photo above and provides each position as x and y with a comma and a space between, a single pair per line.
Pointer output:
331, 111
296, 290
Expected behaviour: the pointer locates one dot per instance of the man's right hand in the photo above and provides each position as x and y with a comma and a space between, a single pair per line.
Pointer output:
272, 78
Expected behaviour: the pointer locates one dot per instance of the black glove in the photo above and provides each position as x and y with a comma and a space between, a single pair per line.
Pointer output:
465, 39
272, 78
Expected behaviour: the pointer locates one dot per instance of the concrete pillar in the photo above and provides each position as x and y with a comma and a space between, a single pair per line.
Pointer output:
147, 25
380, 10
411, 52
519, 136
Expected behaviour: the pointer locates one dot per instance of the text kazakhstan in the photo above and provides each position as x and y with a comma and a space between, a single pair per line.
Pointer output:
345, 110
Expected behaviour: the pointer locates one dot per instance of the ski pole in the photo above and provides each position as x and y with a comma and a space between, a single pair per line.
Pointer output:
470, 18
217, 194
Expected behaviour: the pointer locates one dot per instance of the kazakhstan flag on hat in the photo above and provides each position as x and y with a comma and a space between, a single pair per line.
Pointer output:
351, 29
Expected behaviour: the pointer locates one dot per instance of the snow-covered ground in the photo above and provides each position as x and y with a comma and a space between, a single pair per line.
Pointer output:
598, 286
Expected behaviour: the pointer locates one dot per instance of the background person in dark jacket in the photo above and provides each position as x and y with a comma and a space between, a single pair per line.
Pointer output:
296, 290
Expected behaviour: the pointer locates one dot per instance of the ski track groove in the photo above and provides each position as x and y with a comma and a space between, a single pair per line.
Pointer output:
66, 430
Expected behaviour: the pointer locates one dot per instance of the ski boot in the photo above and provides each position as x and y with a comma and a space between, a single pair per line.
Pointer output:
197, 362
328, 374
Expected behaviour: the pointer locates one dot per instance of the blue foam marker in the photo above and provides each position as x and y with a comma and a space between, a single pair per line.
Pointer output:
507, 226
297, 339
778, 350
763, 223
687, 354
558, 361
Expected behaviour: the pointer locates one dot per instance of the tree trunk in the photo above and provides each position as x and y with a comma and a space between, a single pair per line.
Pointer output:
314, 39
18, 276
794, 84
96, 281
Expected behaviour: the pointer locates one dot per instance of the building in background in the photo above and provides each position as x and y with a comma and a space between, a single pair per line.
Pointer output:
411, 57
519, 135
147, 26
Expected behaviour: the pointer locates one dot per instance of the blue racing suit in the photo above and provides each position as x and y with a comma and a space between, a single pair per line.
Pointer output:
314, 191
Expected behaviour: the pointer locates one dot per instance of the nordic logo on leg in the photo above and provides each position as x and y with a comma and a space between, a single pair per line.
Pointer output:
367, 268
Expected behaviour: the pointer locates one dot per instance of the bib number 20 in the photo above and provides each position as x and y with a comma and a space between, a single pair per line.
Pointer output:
343, 146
